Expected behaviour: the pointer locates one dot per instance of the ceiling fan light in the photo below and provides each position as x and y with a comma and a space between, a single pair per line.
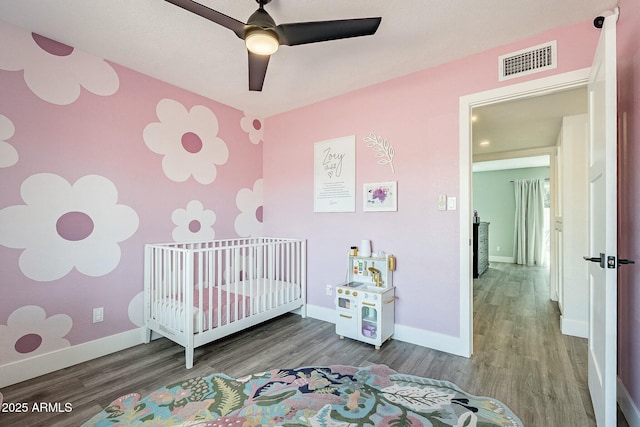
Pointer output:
262, 42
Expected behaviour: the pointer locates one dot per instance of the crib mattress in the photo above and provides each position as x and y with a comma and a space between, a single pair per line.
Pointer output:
170, 311
265, 293
256, 296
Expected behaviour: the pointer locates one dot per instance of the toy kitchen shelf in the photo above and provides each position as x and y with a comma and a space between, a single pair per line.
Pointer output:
365, 305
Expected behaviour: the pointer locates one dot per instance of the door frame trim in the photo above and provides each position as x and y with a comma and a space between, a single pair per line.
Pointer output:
543, 86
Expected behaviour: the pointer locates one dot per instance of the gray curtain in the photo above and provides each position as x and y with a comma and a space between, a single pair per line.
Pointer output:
529, 221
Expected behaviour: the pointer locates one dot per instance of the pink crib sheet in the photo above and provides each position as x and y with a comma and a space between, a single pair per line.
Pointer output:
228, 302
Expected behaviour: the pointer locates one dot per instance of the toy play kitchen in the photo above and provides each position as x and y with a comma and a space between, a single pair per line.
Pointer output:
365, 304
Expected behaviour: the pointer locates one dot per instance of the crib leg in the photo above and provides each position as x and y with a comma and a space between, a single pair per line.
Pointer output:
303, 311
147, 335
188, 355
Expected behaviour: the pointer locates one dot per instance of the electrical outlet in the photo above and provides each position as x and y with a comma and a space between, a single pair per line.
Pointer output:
498, 248
98, 314
329, 290
442, 202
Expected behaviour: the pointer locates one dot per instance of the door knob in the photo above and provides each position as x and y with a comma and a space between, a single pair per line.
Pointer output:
610, 261
599, 259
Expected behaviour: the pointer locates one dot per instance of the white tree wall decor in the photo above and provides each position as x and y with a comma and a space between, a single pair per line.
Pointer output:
383, 149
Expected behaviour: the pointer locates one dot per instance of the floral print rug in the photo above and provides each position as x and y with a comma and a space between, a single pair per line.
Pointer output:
311, 396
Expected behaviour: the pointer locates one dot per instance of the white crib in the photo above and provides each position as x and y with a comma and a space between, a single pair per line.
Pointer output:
199, 292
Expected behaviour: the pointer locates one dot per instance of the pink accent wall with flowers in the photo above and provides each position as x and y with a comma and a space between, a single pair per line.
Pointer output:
95, 161
418, 115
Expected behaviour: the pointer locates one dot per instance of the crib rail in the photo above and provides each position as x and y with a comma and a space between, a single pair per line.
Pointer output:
195, 287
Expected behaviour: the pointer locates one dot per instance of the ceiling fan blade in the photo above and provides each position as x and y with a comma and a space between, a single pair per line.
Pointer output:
311, 32
257, 70
212, 15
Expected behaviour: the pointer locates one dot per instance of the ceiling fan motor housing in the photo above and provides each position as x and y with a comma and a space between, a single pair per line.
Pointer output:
261, 18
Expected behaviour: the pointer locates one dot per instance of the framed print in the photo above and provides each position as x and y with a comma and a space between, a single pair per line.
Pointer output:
334, 175
380, 197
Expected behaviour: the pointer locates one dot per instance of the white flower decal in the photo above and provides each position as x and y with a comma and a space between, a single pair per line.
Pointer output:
254, 127
136, 309
8, 154
188, 140
53, 71
63, 226
249, 222
29, 332
193, 223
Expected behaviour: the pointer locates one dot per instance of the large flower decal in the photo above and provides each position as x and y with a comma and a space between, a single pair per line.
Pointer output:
254, 127
63, 226
8, 154
188, 140
54, 71
136, 309
249, 222
193, 223
29, 332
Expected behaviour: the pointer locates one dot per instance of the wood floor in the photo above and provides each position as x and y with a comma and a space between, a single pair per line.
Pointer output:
520, 358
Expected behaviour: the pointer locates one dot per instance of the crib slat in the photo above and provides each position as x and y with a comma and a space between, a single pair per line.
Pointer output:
252, 277
210, 283
200, 270
219, 290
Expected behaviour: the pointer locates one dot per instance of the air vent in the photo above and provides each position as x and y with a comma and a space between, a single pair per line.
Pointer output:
528, 61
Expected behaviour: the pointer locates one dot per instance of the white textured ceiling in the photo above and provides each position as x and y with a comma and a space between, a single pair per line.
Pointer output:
173, 45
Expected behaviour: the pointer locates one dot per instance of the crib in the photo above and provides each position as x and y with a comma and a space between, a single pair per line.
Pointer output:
198, 292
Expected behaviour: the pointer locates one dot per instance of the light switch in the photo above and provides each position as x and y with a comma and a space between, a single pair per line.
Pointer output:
451, 203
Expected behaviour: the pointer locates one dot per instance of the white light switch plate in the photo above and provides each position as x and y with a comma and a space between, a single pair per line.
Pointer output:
451, 203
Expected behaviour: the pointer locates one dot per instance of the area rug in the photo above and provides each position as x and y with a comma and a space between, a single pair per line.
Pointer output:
311, 396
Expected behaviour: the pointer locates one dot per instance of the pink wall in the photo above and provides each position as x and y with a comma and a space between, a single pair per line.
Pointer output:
629, 205
68, 118
418, 114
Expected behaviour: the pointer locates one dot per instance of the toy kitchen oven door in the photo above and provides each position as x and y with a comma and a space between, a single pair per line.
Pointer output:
365, 305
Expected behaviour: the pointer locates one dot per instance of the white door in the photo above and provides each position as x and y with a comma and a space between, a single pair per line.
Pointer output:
603, 228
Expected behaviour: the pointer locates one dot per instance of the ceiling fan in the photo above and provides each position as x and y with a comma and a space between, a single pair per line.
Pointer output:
262, 36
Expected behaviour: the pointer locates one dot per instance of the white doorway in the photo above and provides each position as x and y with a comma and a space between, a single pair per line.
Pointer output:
529, 89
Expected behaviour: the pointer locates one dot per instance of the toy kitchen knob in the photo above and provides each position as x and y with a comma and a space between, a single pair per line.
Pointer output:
339, 291
355, 294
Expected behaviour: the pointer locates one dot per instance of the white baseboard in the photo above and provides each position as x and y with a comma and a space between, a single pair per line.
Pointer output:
33, 367
506, 259
429, 339
628, 406
575, 328
407, 334
321, 313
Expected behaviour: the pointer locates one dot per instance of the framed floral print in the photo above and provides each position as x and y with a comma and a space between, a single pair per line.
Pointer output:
380, 197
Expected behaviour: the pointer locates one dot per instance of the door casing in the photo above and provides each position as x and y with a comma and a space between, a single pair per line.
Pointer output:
543, 86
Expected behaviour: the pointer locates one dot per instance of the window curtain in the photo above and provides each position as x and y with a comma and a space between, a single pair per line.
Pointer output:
529, 221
